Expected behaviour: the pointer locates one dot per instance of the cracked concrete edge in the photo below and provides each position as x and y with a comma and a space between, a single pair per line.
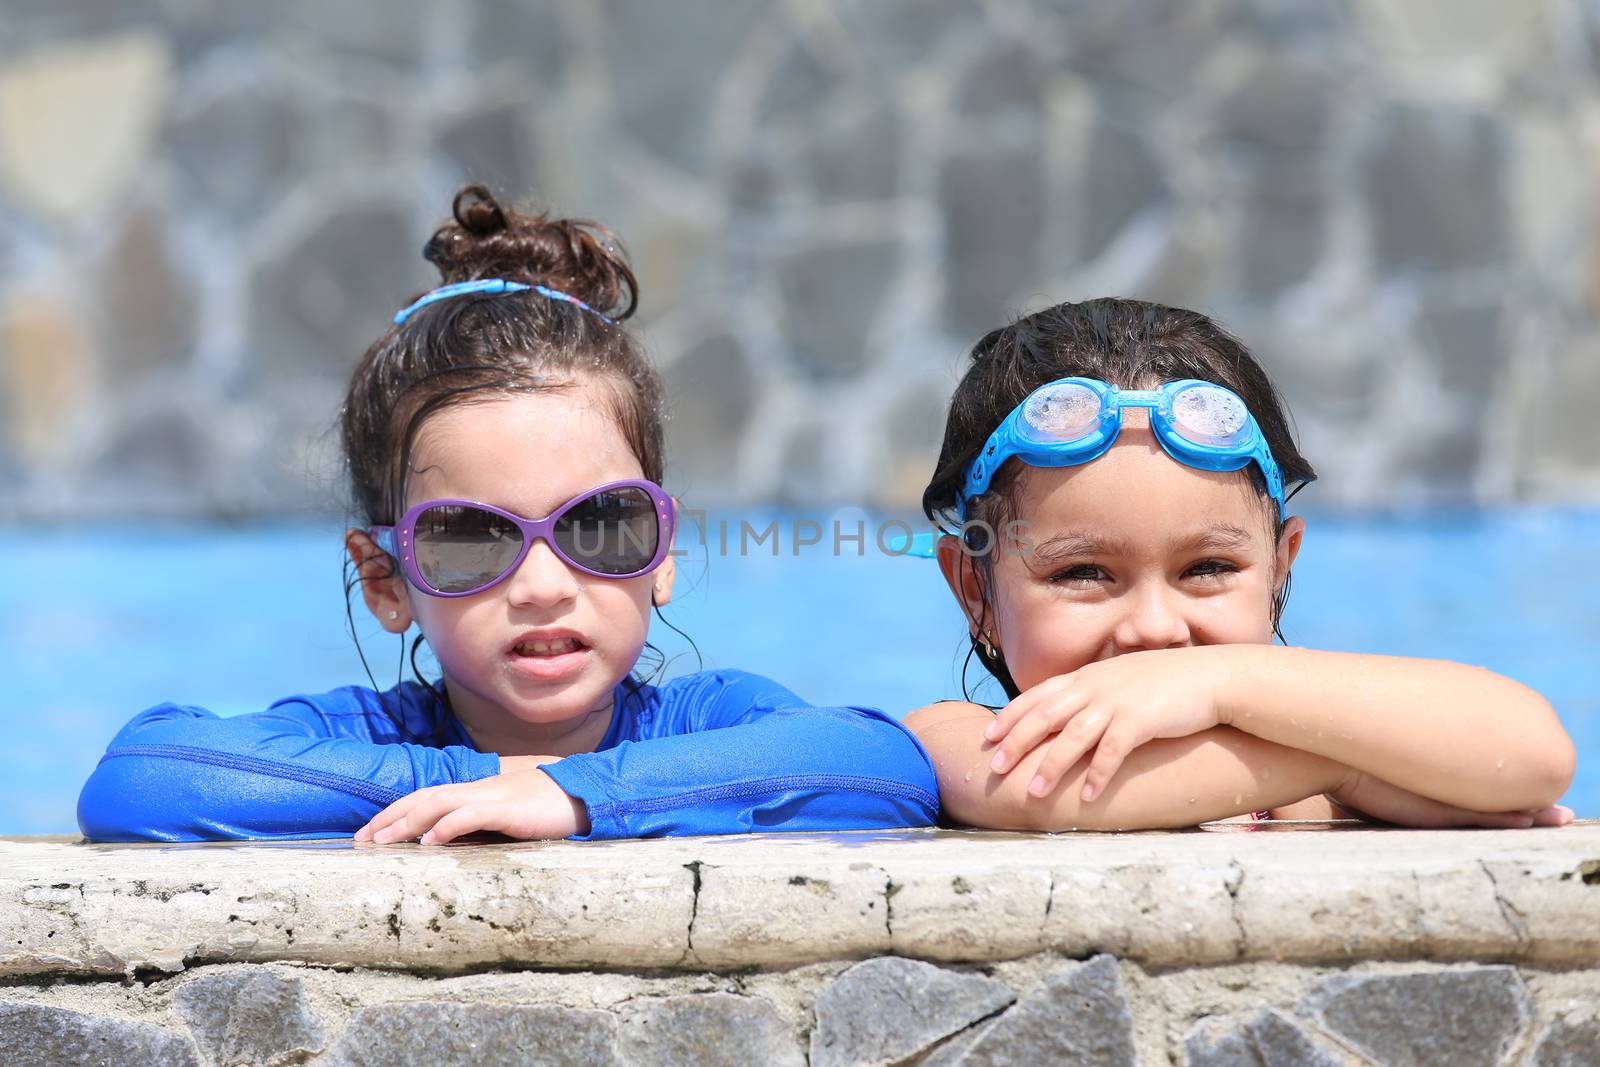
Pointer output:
1166, 900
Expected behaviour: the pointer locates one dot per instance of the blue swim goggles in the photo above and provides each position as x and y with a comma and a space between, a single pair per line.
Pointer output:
1075, 420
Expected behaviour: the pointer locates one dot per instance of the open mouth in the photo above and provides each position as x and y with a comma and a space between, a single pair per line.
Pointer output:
559, 646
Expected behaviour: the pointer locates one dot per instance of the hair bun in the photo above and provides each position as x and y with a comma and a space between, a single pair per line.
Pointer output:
580, 258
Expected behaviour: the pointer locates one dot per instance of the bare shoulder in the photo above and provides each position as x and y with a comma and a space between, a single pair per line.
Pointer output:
944, 711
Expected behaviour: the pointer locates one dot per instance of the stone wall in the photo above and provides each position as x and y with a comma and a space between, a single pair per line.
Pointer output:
1309, 943
208, 210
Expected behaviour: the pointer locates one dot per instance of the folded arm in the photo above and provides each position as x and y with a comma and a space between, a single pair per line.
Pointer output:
756, 758
179, 773
1169, 782
1460, 735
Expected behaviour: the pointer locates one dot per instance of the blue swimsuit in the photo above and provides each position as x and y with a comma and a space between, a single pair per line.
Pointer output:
719, 752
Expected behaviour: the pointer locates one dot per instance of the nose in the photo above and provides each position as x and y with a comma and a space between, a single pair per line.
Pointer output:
1153, 618
543, 579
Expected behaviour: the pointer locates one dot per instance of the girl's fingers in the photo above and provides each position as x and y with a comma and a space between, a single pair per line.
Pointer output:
1030, 731
1108, 756
1008, 717
419, 817
1066, 750
1046, 692
465, 820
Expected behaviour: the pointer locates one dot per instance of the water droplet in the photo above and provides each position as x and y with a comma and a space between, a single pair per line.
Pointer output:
1500, 764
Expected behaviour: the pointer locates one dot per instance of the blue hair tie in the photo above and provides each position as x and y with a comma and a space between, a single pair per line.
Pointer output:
494, 285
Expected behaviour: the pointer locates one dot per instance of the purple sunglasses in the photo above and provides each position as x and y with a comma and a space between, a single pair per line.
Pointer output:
461, 547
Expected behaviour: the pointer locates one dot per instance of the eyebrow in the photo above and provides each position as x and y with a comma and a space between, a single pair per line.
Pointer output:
1077, 544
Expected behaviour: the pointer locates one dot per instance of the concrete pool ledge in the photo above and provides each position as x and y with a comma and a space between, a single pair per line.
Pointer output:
1328, 944
1301, 893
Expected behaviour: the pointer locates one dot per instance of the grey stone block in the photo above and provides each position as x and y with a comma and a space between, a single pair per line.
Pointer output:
1467, 1018
831, 295
1568, 1044
708, 1030
887, 1009
1437, 182
445, 1034
315, 310
992, 202
495, 146
33, 1035
252, 1016
236, 153
1079, 1016
1266, 1039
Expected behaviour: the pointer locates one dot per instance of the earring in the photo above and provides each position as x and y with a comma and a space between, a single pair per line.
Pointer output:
988, 649
393, 615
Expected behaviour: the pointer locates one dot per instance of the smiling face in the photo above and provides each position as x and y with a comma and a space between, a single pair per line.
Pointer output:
1130, 551
530, 663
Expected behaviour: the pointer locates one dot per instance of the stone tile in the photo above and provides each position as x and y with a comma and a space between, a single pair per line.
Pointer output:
33, 1035
1005, 83
662, 100
317, 308
708, 1030
1473, 1016
855, 154
1266, 1039
831, 295
238, 153
1283, 104
1078, 1016
495, 145
1567, 1043
798, 87
992, 203
386, 31
248, 1016
530, 38
445, 1034
1281, 232
1458, 156
149, 301
47, 359
1120, 179
907, 32
886, 1010
710, 394
78, 121
163, 450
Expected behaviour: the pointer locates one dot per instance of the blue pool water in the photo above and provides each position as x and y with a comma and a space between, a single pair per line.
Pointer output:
93, 630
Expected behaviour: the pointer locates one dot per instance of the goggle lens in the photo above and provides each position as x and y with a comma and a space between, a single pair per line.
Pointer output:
1063, 413
460, 547
1208, 415
614, 532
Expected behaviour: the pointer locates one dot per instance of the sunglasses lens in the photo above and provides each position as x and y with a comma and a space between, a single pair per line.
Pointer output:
1210, 415
1061, 413
461, 548
615, 532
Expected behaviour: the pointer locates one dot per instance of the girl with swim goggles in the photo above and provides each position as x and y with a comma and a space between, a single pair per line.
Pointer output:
1126, 604
504, 445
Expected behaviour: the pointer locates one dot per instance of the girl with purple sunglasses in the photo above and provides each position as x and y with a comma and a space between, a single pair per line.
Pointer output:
504, 444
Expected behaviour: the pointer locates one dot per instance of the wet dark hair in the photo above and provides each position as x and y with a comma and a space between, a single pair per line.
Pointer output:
1128, 343
480, 347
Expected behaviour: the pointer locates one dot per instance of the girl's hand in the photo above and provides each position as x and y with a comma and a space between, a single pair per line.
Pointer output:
525, 804
1112, 706
1386, 802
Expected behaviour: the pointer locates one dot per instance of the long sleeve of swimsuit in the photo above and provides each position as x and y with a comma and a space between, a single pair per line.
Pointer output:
726, 752
717, 752
307, 767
